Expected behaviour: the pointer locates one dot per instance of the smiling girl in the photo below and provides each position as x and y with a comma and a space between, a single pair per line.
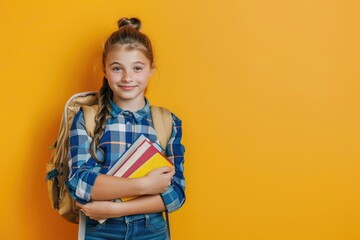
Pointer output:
123, 115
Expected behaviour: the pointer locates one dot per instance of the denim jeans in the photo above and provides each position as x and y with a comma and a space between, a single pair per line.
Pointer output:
136, 227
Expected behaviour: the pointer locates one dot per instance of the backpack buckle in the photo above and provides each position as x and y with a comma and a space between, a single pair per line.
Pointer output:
52, 174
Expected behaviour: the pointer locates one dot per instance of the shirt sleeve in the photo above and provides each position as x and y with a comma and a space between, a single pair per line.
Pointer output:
83, 169
174, 197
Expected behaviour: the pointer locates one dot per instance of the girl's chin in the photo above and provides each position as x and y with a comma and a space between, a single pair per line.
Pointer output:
128, 97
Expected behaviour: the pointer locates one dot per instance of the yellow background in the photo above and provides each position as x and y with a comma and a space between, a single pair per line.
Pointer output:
268, 92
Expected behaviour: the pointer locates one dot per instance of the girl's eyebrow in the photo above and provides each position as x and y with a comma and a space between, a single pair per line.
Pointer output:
115, 63
137, 62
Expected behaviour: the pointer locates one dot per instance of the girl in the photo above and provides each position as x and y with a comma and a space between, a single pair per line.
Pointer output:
123, 115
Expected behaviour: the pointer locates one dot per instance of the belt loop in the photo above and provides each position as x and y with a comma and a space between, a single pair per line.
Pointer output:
147, 219
127, 220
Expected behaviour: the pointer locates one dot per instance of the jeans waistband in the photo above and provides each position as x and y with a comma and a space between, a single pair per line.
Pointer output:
131, 218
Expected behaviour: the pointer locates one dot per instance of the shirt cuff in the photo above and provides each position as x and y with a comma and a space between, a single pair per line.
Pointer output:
84, 187
171, 199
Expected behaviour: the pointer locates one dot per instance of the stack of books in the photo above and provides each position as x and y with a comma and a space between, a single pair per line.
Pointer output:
140, 159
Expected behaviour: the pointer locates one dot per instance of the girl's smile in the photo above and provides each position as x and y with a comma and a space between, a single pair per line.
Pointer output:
127, 88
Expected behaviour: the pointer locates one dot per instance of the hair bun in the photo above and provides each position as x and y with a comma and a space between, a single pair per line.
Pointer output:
132, 22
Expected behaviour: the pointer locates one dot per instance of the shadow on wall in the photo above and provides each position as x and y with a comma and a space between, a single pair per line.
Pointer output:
44, 222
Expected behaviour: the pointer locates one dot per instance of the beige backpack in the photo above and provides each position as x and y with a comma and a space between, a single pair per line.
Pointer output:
57, 168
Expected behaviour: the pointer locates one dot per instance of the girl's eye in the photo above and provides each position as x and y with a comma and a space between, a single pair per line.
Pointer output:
116, 69
137, 69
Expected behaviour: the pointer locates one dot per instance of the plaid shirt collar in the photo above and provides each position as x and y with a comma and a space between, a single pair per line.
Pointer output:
138, 115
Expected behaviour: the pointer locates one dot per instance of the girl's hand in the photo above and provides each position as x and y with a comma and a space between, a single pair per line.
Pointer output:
99, 210
158, 180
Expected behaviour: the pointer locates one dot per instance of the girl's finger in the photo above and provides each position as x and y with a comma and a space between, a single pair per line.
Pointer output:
79, 205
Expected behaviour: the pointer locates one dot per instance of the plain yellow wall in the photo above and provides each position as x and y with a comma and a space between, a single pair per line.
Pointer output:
268, 92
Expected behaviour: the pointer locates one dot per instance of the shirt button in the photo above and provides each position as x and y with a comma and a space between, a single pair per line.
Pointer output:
128, 145
128, 123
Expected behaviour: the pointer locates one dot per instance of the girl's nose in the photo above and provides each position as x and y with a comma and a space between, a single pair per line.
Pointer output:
126, 77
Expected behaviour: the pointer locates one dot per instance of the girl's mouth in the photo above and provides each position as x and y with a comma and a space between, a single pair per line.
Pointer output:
127, 88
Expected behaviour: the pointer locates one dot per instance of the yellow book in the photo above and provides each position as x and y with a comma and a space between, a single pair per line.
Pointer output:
156, 161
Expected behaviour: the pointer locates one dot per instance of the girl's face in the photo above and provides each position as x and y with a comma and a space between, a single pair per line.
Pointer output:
127, 72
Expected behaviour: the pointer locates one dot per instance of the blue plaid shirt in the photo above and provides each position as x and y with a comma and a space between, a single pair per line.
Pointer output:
122, 129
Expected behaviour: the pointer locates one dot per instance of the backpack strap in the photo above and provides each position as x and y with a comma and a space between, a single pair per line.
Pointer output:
162, 120
89, 117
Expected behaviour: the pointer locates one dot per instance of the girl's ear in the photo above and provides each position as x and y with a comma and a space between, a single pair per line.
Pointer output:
152, 70
103, 68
